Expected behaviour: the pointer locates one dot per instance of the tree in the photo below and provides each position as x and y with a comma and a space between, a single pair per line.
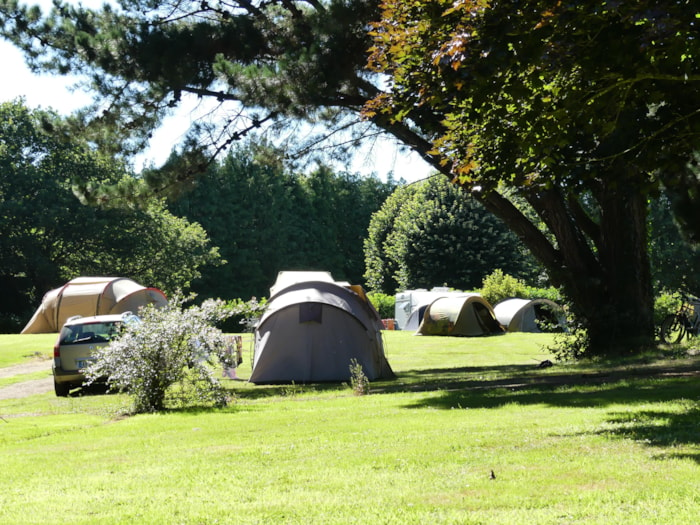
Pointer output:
583, 108
267, 218
48, 237
432, 235
381, 270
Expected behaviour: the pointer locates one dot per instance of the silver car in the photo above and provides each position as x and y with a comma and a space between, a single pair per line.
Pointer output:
78, 339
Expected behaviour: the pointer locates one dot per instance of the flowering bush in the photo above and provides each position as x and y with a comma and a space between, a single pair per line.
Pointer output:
246, 313
170, 354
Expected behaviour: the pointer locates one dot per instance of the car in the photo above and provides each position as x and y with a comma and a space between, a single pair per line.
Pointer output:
78, 339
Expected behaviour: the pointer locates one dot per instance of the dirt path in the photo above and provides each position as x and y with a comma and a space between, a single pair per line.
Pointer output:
27, 388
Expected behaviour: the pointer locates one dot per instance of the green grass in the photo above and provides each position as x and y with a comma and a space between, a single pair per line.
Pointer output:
16, 349
617, 442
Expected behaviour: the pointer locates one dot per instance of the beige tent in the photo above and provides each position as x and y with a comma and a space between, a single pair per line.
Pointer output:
529, 315
467, 315
88, 296
313, 329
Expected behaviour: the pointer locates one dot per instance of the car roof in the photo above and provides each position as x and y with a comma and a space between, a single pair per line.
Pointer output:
96, 319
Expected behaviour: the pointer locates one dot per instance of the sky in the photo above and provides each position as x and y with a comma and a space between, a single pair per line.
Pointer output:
55, 92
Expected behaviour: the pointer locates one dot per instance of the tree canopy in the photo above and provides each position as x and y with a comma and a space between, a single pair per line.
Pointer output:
266, 218
582, 109
429, 234
48, 237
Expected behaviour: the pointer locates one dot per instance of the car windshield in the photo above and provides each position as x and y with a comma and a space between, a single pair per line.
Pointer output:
89, 333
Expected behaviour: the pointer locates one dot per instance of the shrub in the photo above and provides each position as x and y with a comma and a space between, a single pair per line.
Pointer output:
383, 303
571, 345
358, 379
498, 286
243, 315
666, 303
172, 351
551, 293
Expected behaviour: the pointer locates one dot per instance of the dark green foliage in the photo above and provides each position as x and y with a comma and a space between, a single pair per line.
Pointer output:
265, 220
435, 235
48, 237
380, 268
584, 109
675, 262
556, 100
383, 303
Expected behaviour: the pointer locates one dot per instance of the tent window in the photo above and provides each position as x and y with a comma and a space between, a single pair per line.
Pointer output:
310, 313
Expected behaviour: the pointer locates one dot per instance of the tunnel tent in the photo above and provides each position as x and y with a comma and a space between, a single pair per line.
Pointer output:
530, 315
414, 320
291, 278
466, 315
88, 296
312, 329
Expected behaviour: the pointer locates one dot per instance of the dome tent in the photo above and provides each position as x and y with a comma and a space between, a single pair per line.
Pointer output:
529, 315
466, 315
313, 328
410, 304
87, 296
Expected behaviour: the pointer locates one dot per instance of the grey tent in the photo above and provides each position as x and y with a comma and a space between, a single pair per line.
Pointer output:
313, 329
529, 315
88, 296
466, 315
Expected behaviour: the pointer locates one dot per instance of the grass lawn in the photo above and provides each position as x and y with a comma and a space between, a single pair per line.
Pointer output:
470, 431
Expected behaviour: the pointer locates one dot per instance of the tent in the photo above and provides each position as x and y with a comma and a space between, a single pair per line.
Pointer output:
312, 329
409, 302
466, 315
88, 296
529, 315
416, 317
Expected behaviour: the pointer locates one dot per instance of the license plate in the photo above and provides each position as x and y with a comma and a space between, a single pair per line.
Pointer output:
83, 363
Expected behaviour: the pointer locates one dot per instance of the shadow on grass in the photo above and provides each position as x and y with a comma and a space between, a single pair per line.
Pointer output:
256, 392
659, 428
494, 387
489, 387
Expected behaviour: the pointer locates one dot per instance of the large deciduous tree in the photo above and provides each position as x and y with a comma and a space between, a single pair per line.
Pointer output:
47, 236
585, 109
582, 108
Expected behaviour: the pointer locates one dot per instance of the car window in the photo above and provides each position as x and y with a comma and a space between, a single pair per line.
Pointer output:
89, 333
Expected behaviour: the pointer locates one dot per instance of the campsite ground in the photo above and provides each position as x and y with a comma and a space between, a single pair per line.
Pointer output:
470, 431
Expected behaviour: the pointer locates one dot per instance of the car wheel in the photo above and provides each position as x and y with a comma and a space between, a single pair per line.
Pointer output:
61, 389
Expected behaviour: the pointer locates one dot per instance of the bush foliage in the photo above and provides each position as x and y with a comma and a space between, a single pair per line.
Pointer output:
169, 355
383, 303
433, 233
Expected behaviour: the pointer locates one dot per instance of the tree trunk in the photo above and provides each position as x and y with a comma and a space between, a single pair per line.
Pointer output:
603, 265
601, 262
625, 323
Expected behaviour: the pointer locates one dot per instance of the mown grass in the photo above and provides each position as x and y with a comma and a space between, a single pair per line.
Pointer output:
16, 349
617, 442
